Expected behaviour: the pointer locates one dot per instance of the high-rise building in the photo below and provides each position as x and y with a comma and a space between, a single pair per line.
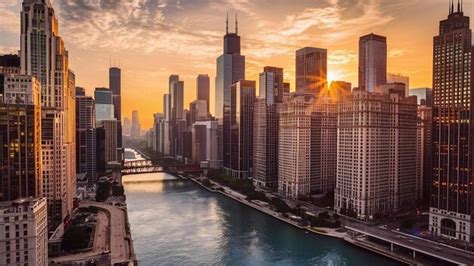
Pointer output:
198, 111
203, 89
372, 62
286, 90
396, 87
44, 56
294, 146
110, 127
424, 167
230, 69
238, 159
451, 207
424, 96
104, 105
127, 126
20, 138
165, 127
266, 126
204, 134
85, 135
136, 127
24, 231
158, 119
311, 70
376, 155
399, 78
115, 85
323, 144
177, 114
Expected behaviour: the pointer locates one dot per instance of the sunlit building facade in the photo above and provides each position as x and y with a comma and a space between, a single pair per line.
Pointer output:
376, 155
44, 56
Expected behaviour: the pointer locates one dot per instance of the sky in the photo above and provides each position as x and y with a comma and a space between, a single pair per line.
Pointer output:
152, 39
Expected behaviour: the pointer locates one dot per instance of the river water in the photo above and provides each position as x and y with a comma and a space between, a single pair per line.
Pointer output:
176, 222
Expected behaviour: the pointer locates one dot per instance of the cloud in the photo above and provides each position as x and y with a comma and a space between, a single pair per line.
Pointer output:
341, 57
397, 52
10, 20
138, 25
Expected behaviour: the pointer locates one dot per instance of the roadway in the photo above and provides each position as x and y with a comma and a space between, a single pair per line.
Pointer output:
423, 246
118, 244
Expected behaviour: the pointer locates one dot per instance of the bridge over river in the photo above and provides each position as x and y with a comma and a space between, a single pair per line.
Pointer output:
143, 166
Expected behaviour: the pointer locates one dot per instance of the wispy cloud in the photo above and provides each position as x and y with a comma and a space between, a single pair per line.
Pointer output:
341, 57
397, 52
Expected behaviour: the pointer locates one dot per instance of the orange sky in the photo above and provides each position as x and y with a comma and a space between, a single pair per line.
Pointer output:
155, 38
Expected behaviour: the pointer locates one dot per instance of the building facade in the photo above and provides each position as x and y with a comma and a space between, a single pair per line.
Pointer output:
240, 144
311, 70
266, 126
44, 56
86, 136
376, 155
20, 137
230, 69
294, 146
372, 62
24, 231
451, 207
203, 89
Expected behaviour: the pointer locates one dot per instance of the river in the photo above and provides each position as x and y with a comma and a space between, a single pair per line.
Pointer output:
176, 222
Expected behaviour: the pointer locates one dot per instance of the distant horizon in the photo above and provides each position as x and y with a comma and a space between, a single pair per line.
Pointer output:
150, 40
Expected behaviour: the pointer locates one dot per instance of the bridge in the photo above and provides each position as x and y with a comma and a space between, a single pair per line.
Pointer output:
415, 245
149, 166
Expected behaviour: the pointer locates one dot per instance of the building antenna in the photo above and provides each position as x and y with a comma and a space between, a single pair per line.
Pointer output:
227, 24
459, 7
236, 25
451, 8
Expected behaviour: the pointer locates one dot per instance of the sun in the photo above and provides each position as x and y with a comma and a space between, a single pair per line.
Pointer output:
332, 76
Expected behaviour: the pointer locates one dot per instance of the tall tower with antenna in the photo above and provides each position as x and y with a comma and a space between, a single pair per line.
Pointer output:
230, 69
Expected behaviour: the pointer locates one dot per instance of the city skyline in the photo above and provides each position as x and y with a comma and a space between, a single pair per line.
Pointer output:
147, 61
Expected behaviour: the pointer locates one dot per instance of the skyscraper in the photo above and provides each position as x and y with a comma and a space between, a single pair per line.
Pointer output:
104, 106
115, 85
203, 88
136, 127
240, 145
424, 96
311, 70
230, 69
399, 78
451, 207
372, 62
165, 127
294, 146
424, 144
198, 111
376, 155
177, 113
266, 126
85, 135
44, 56
127, 126
20, 135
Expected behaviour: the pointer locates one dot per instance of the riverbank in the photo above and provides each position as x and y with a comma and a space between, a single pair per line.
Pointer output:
323, 231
